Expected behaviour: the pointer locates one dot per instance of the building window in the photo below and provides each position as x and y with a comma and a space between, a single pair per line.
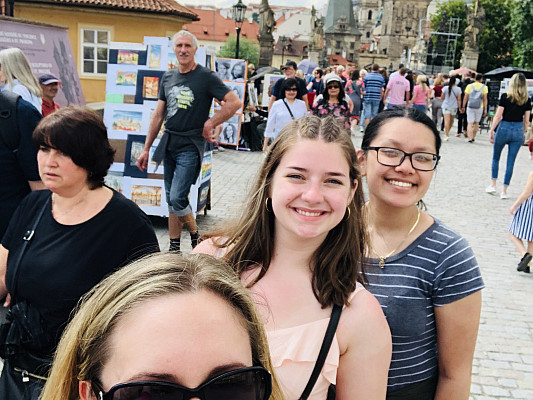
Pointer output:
351, 56
370, 15
299, 22
352, 45
367, 35
95, 50
337, 44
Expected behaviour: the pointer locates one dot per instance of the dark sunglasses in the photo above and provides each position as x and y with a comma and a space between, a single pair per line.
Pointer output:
253, 383
292, 89
334, 86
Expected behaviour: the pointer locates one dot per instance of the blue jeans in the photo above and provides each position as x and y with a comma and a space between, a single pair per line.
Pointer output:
181, 171
512, 134
371, 108
420, 107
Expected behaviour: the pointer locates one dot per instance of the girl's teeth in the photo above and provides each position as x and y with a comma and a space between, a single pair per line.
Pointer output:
308, 214
402, 184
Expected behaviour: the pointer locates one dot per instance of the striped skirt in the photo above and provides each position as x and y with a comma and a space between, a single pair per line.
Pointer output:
522, 223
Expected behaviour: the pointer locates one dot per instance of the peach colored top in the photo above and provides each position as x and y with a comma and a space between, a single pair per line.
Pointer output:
294, 352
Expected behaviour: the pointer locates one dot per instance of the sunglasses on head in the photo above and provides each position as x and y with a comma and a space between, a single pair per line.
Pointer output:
252, 383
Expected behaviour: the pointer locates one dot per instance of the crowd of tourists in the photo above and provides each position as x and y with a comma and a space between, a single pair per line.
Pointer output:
314, 293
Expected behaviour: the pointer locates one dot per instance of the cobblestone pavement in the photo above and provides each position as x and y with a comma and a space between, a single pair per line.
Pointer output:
503, 365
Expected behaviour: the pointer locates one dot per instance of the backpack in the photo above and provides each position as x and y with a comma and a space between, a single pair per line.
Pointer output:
9, 132
475, 99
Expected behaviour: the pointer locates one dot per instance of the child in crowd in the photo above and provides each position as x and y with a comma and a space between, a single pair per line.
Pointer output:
521, 227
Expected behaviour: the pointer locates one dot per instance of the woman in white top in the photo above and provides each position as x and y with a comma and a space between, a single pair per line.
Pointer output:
16, 75
284, 110
449, 94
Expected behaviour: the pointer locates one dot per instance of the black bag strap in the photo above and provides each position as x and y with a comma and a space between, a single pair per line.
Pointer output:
9, 131
324, 350
290, 112
28, 236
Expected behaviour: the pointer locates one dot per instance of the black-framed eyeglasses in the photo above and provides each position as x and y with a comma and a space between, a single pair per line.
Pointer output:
392, 157
252, 383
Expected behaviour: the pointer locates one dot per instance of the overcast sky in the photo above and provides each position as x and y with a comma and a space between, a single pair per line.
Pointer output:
228, 3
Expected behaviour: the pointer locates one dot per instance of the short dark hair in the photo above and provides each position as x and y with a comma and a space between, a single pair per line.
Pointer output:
402, 71
320, 72
479, 77
287, 84
373, 128
80, 134
375, 67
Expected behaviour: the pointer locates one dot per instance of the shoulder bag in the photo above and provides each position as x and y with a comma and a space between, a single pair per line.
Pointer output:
23, 337
324, 350
290, 112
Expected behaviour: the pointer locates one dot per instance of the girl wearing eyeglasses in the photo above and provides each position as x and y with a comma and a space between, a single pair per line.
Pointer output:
423, 273
165, 327
299, 248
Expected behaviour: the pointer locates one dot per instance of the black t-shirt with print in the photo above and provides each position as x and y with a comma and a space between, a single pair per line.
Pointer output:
189, 96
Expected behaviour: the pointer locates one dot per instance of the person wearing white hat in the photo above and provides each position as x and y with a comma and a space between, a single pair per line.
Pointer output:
333, 101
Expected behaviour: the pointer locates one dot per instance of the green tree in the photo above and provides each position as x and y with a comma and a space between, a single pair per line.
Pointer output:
522, 29
441, 22
248, 50
495, 38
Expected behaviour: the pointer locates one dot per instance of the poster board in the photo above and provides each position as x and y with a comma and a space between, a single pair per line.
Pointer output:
133, 79
49, 52
268, 84
233, 72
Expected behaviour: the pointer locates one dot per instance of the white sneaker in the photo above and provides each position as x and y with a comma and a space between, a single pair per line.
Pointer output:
490, 189
504, 196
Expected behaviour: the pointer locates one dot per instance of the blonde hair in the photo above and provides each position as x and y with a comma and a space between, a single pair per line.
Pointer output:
421, 80
517, 91
15, 65
300, 73
84, 346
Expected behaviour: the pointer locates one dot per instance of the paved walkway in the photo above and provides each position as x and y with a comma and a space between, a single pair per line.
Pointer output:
503, 365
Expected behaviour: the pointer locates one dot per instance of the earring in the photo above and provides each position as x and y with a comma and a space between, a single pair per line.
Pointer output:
266, 205
347, 217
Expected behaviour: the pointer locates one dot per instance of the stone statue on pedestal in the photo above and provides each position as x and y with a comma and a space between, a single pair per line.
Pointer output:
475, 19
267, 23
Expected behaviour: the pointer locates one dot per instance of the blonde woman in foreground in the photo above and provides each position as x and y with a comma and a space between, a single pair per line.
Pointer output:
165, 327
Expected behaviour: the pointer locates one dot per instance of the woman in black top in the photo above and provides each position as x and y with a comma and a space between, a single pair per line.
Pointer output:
86, 232
513, 112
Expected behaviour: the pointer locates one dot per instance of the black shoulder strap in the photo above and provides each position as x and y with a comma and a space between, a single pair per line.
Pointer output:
286, 105
28, 236
324, 350
9, 133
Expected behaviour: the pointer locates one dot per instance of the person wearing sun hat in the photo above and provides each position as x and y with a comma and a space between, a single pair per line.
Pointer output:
50, 86
334, 101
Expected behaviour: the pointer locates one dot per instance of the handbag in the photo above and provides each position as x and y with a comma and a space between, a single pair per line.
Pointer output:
324, 350
23, 337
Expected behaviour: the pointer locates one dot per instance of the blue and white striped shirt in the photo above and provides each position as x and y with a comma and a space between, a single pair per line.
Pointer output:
438, 268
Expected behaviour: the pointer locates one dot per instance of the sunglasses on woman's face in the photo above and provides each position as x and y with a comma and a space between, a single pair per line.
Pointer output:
334, 86
253, 383
292, 89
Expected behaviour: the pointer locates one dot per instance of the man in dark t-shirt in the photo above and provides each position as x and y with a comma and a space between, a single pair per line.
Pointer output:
18, 166
185, 97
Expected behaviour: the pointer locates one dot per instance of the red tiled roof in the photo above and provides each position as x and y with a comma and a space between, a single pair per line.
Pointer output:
151, 6
335, 59
213, 26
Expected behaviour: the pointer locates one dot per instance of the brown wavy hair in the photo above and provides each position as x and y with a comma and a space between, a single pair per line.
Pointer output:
336, 264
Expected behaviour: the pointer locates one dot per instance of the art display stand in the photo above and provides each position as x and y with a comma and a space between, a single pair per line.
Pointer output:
133, 77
